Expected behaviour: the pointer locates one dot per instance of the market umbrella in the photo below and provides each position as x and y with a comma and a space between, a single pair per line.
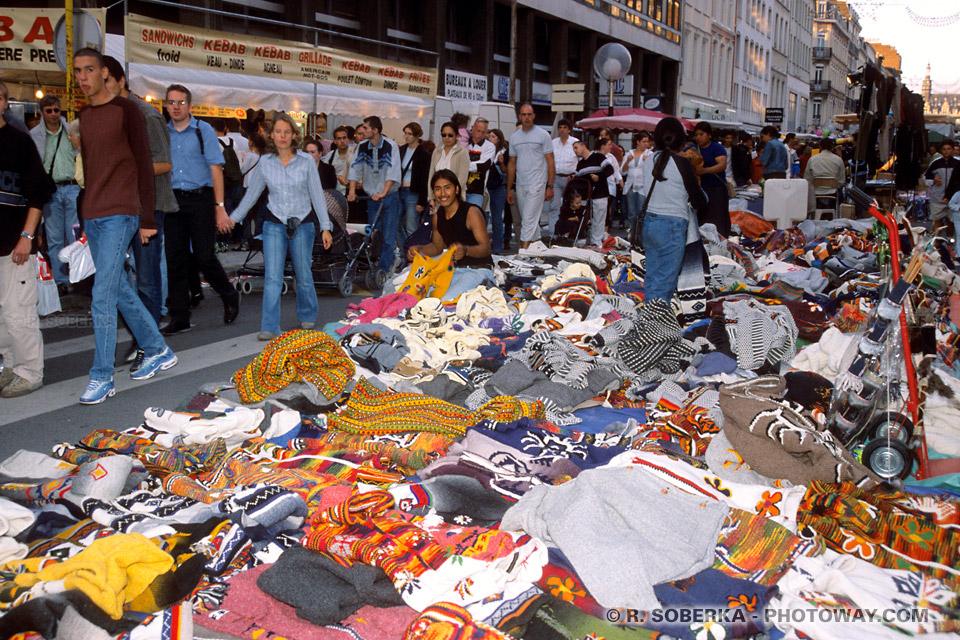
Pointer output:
627, 120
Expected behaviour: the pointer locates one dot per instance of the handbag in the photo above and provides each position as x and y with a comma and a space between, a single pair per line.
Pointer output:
636, 231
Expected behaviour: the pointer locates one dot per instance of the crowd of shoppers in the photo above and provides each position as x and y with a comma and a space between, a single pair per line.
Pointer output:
162, 190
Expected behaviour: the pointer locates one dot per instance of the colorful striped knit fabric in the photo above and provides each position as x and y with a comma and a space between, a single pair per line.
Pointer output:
368, 529
372, 411
758, 549
160, 461
447, 621
403, 453
878, 527
312, 356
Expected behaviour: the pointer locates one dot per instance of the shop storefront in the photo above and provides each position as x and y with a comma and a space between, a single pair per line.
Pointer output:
234, 71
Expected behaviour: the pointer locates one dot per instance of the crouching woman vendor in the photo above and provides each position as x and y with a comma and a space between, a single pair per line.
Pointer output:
460, 240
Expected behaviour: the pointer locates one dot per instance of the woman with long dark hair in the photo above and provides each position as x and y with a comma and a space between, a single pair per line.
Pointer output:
460, 226
713, 179
414, 167
497, 188
451, 155
670, 222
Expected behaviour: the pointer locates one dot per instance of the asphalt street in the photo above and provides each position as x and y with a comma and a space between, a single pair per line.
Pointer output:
211, 351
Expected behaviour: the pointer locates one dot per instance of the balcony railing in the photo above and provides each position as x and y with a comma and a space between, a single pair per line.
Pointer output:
822, 53
820, 87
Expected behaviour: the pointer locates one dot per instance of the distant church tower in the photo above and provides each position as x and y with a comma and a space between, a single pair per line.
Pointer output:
927, 88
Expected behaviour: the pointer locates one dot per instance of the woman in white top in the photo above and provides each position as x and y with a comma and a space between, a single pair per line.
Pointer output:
633, 186
449, 155
614, 181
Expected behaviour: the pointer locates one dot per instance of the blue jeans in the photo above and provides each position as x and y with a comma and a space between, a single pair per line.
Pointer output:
664, 242
389, 224
498, 199
955, 219
109, 239
59, 216
474, 198
147, 259
635, 200
275, 246
408, 205
466, 279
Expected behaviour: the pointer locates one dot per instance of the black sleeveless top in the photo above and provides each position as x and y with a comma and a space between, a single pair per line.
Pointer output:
454, 230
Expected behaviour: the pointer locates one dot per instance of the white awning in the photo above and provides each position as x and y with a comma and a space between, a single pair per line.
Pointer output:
256, 92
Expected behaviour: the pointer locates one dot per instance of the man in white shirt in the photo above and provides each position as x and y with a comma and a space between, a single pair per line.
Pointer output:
531, 169
825, 164
565, 161
340, 157
728, 141
791, 142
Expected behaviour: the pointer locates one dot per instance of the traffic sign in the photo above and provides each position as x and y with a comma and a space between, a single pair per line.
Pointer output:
773, 115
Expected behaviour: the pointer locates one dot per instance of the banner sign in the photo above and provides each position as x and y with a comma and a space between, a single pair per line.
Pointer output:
26, 38
151, 41
459, 85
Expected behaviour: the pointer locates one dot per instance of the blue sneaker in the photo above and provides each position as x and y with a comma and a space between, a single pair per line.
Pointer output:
152, 364
97, 392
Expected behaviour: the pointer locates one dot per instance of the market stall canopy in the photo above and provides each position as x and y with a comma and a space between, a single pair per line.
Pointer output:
255, 92
627, 120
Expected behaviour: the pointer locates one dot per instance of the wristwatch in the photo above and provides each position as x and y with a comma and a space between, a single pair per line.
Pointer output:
220, 204
28, 236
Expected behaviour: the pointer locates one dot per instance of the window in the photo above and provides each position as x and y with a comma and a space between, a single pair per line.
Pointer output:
817, 106
818, 74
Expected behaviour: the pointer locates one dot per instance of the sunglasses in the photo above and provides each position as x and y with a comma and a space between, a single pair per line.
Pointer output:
171, 103
53, 110
447, 135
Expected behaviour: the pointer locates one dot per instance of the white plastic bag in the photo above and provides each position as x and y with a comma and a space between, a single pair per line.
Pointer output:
80, 259
48, 299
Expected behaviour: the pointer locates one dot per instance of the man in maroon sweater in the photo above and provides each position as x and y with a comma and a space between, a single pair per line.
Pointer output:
118, 200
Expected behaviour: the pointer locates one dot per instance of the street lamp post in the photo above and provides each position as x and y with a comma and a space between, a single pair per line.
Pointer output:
612, 62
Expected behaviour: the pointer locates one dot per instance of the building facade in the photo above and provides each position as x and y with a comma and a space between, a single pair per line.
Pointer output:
707, 60
890, 55
799, 65
838, 50
773, 62
555, 40
944, 104
751, 84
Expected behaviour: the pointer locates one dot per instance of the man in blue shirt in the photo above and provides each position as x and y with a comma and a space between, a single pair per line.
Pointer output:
376, 164
198, 186
774, 156
60, 212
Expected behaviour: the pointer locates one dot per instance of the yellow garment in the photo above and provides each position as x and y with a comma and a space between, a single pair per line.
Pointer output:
428, 273
112, 571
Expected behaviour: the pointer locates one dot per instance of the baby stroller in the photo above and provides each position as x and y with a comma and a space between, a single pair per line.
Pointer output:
330, 267
575, 213
363, 253
251, 272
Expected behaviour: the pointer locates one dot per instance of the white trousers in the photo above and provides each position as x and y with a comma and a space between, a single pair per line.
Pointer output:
530, 202
21, 343
598, 221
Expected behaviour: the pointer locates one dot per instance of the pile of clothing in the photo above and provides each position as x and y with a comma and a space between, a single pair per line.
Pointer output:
552, 458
